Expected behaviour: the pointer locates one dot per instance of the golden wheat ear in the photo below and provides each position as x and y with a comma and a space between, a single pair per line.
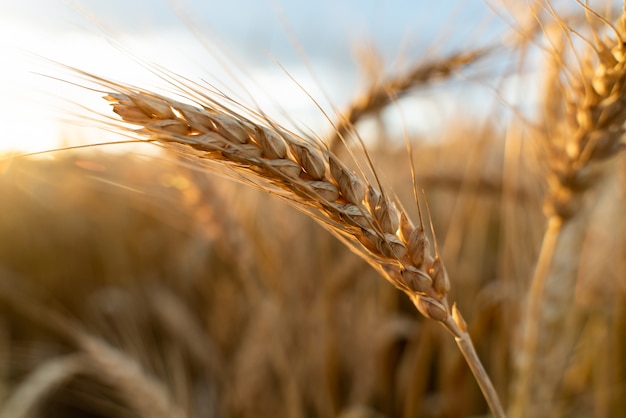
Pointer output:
306, 174
301, 171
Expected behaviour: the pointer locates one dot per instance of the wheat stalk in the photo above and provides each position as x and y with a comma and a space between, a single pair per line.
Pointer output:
315, 181
591, 100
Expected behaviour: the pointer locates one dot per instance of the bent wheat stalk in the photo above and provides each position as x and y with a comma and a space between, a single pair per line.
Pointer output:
313, 180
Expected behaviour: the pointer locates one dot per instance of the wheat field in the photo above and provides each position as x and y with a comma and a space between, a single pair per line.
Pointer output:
233, 265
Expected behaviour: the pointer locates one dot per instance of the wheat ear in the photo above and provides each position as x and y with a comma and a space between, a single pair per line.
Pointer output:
381, 93
592, 104
315, 181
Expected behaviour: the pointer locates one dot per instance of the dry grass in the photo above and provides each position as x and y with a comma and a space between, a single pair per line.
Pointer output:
135, 286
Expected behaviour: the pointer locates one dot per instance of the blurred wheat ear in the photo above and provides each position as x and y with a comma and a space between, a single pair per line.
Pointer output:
586, 94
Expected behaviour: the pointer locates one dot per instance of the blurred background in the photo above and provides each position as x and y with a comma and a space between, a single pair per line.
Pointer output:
134, 284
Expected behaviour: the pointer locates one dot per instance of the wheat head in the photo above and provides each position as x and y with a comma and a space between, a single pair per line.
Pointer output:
588, 98
311, 178
306, 174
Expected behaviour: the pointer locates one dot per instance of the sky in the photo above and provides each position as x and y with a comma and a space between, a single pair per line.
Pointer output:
315, 42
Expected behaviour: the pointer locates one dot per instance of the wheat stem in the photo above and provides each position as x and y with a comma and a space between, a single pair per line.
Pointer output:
457, 327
